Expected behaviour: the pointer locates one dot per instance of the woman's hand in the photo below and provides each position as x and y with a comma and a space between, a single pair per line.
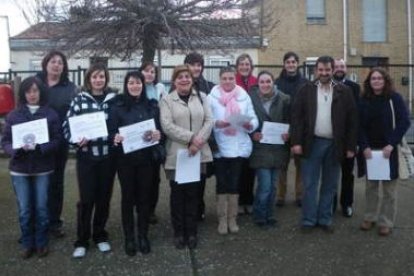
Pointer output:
155, 135
222, 124
297, 149
367, 153
83, 142
193, 149
257, 136
386, 151
247, 126
118, 139
285, 137
197, 141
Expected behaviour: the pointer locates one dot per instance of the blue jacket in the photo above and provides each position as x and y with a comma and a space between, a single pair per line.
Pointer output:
39, 160
392, 136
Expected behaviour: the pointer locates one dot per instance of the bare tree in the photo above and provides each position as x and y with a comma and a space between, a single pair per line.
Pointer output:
121, 27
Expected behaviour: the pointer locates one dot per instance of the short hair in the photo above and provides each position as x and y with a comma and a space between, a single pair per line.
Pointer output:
289, 55
49, 56
227, 69
146, 64
26, 85
325, 60
265, 72
95, 67
243, 57
179, 69
388, 84
193, 58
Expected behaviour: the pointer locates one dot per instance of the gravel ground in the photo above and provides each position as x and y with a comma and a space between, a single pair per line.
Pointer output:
280, 251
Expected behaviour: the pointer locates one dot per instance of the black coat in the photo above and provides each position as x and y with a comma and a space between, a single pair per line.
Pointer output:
290, 84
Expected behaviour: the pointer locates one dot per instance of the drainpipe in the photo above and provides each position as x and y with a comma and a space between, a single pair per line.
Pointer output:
345, 22
410, 57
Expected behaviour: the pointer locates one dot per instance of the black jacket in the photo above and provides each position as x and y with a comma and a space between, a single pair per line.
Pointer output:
289, 84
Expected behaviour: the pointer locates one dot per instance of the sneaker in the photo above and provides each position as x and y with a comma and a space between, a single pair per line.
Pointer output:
104, 246
347, 212
79, 252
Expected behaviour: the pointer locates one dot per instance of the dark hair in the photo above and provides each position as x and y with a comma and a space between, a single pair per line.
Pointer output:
146, 64
227, 69
95, 67
26, 85
325, 60
243, 57
128, 99
49, 56
289, 55
265, 73
194, 57
388, 84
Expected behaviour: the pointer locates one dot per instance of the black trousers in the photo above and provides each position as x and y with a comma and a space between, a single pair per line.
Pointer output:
184, 201
56, 187
347, 184
155, 187
246, 184
95, 180
136, 185
228, 174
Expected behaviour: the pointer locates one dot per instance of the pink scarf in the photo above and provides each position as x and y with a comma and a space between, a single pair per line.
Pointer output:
229, 101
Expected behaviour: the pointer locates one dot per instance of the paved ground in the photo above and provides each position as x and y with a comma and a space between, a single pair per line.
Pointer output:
281, 251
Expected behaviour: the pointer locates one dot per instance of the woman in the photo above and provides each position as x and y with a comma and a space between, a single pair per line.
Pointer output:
228, 101
31, 165
246, 80
187, 122
379, 107
94, 163
154, 91
135, 169
270, 105
60, 92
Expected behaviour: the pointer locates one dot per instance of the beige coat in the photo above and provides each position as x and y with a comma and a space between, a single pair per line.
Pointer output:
180, 121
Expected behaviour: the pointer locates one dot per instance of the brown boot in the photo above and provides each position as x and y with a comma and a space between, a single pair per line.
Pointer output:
232, 209
366, 225
222, 214
384, 231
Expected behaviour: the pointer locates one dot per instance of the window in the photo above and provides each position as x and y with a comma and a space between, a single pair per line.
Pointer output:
94, 60
315, 11
375, 61
374, 20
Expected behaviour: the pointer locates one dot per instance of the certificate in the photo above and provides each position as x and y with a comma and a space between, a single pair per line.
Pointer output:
90, 126
237, 120
187, 168
378, 167
137, 136
272, 133
30, 133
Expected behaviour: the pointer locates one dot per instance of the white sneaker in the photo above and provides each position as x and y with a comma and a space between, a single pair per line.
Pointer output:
79, 252
104, 246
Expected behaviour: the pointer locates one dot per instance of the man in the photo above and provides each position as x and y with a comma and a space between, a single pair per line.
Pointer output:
196, 63
347, 187
323, 133
290, 79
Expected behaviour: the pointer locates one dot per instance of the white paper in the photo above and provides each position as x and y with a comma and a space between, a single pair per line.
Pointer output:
30, 133
378, 167
237, 120
187, 168
90, 126
134, 136
272, 133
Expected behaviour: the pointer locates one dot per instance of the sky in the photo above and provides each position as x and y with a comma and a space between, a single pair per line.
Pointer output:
17, 24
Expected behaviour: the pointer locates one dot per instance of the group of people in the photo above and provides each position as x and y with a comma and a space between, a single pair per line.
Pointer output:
330, 123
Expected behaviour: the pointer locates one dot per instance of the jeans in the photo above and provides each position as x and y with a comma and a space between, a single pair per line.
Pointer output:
321, 162
31, 193
264, 200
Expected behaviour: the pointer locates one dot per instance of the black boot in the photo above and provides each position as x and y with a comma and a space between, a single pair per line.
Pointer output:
130, 247
144, 245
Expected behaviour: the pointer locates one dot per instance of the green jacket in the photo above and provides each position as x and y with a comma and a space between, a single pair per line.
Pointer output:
267, 155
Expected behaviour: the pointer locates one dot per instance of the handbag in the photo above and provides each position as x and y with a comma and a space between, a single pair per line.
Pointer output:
405, 155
